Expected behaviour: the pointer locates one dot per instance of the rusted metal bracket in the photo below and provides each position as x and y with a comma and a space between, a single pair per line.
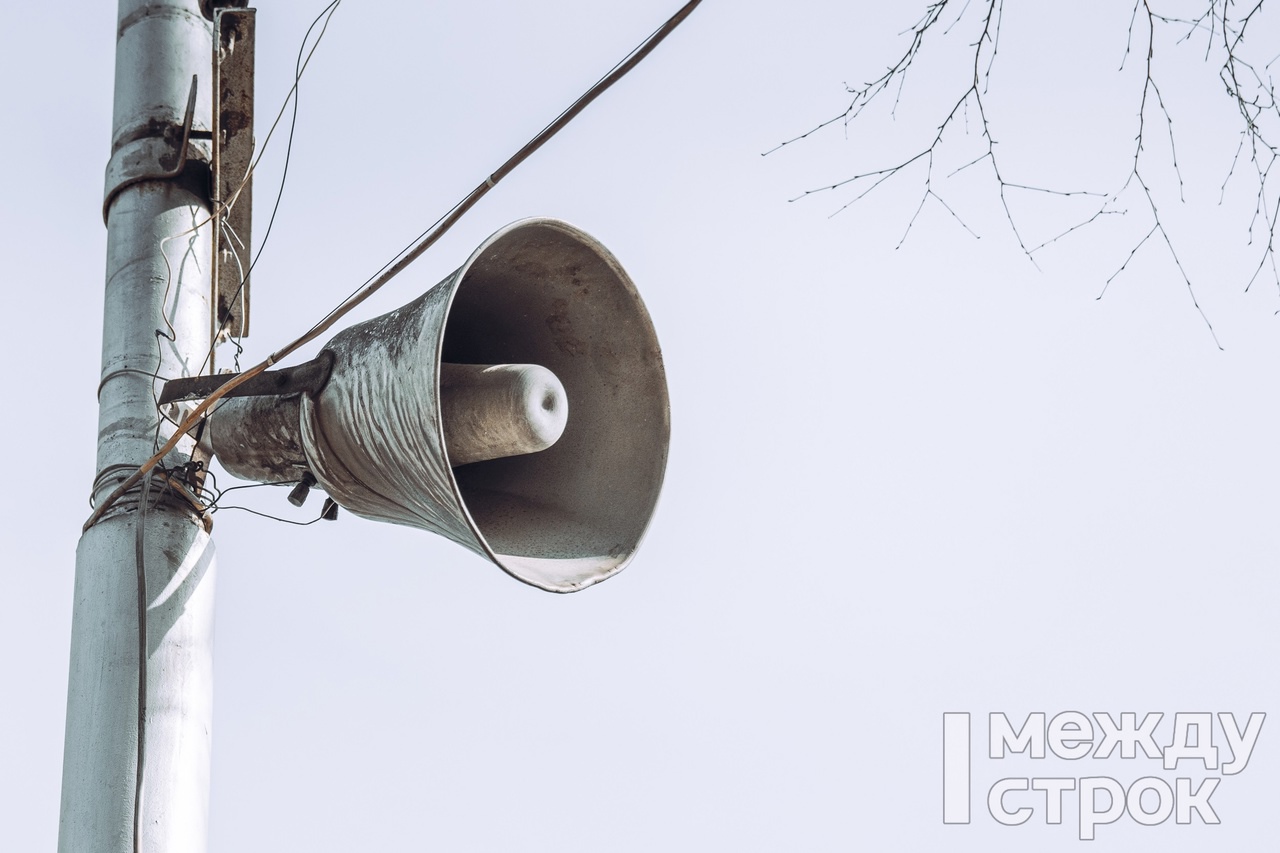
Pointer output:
233, 146
309, 377
151, 158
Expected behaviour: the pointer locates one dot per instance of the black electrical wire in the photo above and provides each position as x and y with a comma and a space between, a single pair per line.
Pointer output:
214, 505
275, 518
431, 235
299, 66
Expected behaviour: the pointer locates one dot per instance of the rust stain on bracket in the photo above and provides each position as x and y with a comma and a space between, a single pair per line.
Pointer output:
233, 146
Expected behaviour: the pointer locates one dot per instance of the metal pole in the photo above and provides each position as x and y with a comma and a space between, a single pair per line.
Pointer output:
156, 324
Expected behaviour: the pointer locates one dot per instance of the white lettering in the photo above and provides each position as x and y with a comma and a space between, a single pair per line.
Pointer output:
1241, 743
1197, 800
1182, 746
995, 802
1067, 735
1001, 734
1090, 817
1128, 735
1052, 804
1071, 735
1164, 801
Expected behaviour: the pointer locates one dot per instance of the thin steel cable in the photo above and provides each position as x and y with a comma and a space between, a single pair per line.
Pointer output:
429, 237
409, 255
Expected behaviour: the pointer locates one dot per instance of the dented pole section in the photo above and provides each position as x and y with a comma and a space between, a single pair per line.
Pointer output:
156, 325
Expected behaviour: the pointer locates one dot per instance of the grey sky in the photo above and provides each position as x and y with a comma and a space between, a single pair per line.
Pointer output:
902, 481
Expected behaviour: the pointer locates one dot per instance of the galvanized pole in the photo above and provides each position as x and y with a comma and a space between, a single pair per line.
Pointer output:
156, 326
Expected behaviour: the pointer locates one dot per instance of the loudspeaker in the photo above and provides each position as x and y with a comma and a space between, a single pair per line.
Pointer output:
519, 408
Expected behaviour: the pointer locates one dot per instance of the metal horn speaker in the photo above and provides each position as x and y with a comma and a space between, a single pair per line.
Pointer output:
539, 338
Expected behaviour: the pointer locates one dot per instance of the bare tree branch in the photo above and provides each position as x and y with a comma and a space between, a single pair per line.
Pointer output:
1250, 88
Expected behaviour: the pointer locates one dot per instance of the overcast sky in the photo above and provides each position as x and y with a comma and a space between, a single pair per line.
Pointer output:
906, 478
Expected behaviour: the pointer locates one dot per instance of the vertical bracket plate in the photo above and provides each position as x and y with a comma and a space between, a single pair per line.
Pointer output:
233, 146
